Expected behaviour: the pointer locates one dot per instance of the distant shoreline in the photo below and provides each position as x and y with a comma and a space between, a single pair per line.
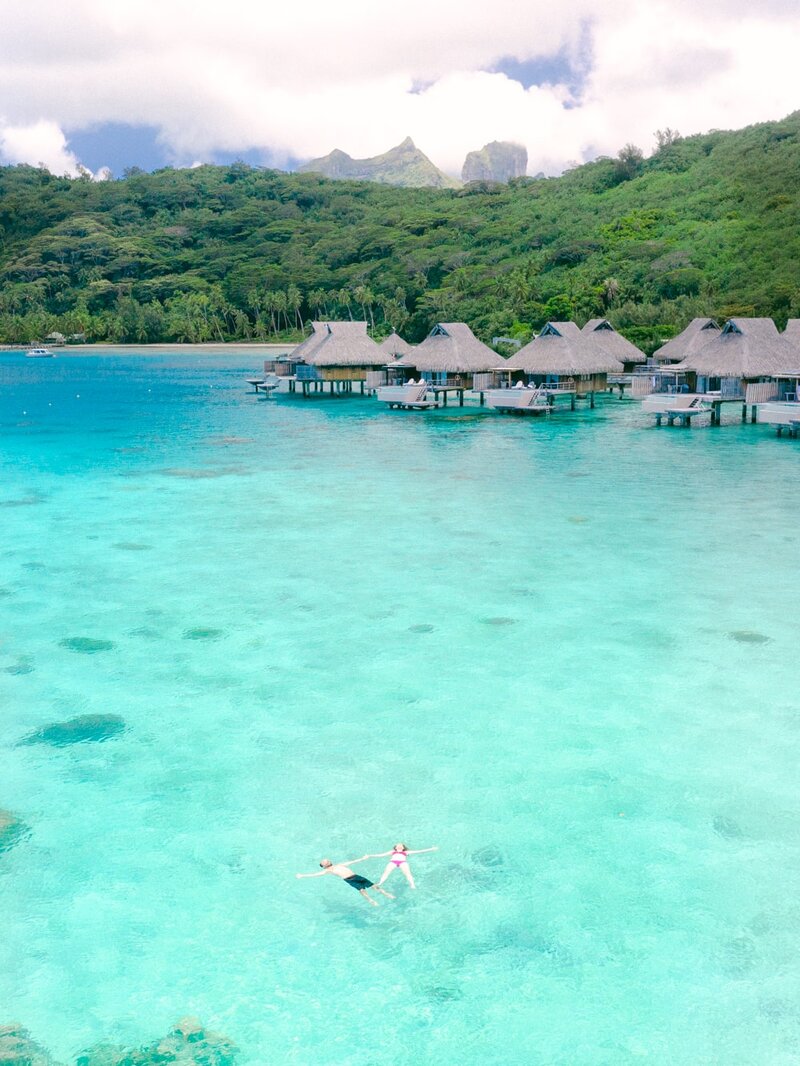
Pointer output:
238, 347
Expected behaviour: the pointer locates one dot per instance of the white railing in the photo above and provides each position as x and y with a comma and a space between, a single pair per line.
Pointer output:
517, 399
402, 395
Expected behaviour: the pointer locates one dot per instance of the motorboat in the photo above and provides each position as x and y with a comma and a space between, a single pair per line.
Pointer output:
39, 353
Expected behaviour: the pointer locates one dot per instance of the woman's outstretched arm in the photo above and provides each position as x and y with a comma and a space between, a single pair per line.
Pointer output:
419, 851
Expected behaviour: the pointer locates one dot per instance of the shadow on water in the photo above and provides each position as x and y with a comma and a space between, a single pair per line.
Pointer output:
86, 645
84, 729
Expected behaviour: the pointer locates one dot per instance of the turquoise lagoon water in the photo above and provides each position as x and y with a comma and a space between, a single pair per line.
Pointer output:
565, 652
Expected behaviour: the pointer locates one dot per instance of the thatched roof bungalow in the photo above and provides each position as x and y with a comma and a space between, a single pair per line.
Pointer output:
338, 352
563, 356
687, 343
617, 346
395, 346
744, 360
450, 355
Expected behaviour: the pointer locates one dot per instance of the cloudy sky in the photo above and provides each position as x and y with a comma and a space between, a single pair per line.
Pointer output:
118, 83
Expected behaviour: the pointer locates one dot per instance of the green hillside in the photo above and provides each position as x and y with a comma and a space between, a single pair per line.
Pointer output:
708, 225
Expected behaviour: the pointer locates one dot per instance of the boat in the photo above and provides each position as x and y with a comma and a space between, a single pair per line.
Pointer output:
39, 353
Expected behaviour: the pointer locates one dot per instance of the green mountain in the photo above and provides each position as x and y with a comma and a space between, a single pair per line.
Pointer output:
708, 225
404, 165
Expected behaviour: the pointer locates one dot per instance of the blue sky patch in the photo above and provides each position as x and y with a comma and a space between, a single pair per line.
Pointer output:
568, 66
118, 145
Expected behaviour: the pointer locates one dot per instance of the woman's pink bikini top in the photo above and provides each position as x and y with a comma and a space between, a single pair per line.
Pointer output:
398, 858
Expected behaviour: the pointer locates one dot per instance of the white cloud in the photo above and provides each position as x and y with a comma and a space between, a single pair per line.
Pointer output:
301, 79
41, 142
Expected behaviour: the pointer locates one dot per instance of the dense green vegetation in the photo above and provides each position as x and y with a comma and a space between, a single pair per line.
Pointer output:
707, 225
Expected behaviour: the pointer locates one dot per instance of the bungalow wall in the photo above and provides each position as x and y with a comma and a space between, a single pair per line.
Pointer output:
583, 384
342, 373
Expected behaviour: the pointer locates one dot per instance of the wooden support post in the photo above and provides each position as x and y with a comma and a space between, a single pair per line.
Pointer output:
362, 388
780, 430
572, 402
753, 414
461, 398
444, 397
482, 399
744, 412
658, 419
591, 399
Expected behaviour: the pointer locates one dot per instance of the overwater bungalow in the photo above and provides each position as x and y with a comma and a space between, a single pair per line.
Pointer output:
448, 359
648, 378
612, 342
337, 354
688, 342
560, 361
741, 363
394, 347
784, 411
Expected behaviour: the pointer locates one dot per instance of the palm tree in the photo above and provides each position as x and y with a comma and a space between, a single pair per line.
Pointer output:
281, 304
343, 296
294, 300
366, 298
316, 302
610, 291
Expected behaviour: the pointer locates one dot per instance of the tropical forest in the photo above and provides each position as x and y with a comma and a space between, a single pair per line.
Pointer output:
705, 225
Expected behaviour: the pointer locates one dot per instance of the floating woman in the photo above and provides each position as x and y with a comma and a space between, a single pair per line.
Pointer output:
398, 860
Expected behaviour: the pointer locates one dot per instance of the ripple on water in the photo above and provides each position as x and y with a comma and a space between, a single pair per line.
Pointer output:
12, 831
133, 546
228, 442
727, 828
498, 620
145, 631
25, 501
86, 645
192, 474
488, 856
23, 665
421, 627
84, 729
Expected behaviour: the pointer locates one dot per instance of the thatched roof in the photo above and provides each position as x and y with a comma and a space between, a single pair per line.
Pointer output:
744, 348
451, 347
395, 346
339, 344
561, 348
691, 340
792, 331
617, 346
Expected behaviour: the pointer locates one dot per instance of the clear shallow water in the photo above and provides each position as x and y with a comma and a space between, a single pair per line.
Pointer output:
593, 702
